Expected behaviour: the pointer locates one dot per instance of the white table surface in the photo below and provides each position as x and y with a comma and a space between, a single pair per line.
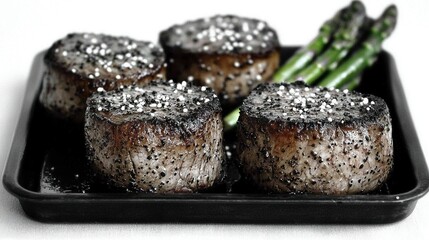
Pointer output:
27, 27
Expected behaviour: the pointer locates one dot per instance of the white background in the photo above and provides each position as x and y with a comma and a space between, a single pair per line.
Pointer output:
27, 27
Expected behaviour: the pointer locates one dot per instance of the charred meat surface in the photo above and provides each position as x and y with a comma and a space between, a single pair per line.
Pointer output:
82, 63
293, 138
164, 138
230, 54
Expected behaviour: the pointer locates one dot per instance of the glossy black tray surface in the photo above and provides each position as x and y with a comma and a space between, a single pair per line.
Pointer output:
51, 182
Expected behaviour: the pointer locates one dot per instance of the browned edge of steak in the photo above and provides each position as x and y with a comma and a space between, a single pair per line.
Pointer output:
232, 76
64, 93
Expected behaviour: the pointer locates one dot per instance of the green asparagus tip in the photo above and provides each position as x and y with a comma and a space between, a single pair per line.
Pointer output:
387, 23
230, 120
390, 15
392, 10
358, 6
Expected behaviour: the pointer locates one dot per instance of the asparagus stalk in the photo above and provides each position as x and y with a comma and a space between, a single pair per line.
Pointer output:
344, 39
306, 54
352, 84
366, 54
364, 31
351, 68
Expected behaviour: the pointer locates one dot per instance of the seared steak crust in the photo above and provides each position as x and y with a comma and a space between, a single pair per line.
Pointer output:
292, 138
82, 63
230, 54
163, 138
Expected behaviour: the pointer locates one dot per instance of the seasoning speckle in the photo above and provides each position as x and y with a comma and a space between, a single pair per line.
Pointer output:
230, 54
312, 139
160, 99
105, 56
298, 102
222, 34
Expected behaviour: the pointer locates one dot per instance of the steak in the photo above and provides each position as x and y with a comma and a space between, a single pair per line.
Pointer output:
294, 138
163, 138
82, 63
230, 54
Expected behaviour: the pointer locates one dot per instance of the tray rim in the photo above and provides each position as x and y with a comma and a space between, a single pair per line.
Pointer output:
15, 157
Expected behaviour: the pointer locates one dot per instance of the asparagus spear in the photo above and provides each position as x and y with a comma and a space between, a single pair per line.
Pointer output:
363, 33
351, 68
367, 53
344, 39
352, 84
306, 54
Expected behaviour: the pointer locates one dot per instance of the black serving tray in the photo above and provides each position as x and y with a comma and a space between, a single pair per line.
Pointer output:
35, 155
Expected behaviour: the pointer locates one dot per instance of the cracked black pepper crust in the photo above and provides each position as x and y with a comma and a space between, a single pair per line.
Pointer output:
111, 55
83, 63
178, 105
221, 34
163, 138
288, 144
230, 54
274, 103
